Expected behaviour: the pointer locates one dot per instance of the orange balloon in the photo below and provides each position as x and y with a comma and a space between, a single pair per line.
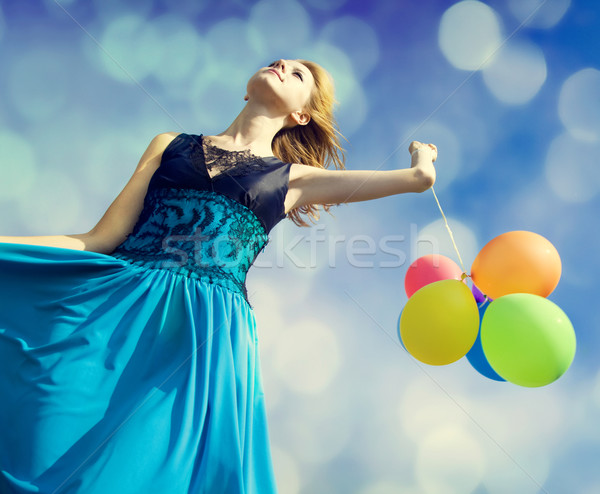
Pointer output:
517, 262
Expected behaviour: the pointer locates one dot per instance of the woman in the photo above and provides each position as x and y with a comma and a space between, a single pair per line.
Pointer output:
130, 358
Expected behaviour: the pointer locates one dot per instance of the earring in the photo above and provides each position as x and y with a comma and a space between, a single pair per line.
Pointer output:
246, 98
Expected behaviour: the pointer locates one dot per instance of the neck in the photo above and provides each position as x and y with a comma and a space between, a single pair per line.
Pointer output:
254, 128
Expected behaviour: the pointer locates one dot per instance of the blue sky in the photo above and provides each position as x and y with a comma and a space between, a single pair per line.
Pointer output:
511, 97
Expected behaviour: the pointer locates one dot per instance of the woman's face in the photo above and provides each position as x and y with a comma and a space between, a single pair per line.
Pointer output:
284, 85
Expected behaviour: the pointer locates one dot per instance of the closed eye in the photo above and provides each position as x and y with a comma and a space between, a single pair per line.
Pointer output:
297, 73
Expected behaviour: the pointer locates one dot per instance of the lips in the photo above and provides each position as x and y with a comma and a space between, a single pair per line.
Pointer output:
277, 73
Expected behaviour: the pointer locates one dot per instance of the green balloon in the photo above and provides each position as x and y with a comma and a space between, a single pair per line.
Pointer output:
527, 339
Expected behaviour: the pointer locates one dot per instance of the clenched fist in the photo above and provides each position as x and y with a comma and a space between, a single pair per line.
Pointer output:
416, 145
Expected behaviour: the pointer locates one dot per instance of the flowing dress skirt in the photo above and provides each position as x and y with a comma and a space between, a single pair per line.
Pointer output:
118, 378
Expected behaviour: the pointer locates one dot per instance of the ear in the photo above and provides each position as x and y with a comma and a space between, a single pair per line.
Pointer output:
300, 117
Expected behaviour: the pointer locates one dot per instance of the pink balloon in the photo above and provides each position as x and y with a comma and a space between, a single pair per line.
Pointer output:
428, 269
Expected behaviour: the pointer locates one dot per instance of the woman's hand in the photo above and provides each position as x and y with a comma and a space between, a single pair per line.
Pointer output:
422, 158
419, 145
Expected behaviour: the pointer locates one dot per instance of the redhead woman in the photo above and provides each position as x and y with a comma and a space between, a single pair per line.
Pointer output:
129, 354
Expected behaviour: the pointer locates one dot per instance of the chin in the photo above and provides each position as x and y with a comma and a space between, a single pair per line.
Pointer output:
267, 96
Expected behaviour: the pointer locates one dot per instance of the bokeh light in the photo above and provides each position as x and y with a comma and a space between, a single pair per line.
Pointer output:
235, 54
289, 249
354, 36
326, 4
288, 471
272, 32
539, 13
352, 115
516, 73
17, 166
110, 158
53, 204
418, 409
579, 104
267, 307
388, 487
307, 358
538, 432
469, 33
571, 169
182, 48
39, 83
187, 8
536, 204
107, 10
132, 48
449, 460
334, 430
338, 64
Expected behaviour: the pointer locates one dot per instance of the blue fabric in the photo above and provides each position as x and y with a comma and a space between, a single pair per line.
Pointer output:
138, 372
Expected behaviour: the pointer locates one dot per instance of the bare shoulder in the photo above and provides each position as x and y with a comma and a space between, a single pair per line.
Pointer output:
153, 154
161, 141
164, 138
171, 135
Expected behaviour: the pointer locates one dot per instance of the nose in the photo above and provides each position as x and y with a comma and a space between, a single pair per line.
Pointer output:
281, 64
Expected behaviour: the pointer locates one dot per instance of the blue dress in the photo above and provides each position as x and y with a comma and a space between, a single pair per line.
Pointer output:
139, 371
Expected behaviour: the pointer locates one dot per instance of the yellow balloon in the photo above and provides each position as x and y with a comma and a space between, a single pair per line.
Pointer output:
440, 322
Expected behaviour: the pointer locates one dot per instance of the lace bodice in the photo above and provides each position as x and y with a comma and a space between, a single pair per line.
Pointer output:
207, 226
218, 160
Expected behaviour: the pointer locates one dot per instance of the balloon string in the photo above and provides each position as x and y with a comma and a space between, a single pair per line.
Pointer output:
465, 275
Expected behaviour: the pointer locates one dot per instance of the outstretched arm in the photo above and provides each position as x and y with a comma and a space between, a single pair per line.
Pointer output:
79, 241
121, 216
310, 185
